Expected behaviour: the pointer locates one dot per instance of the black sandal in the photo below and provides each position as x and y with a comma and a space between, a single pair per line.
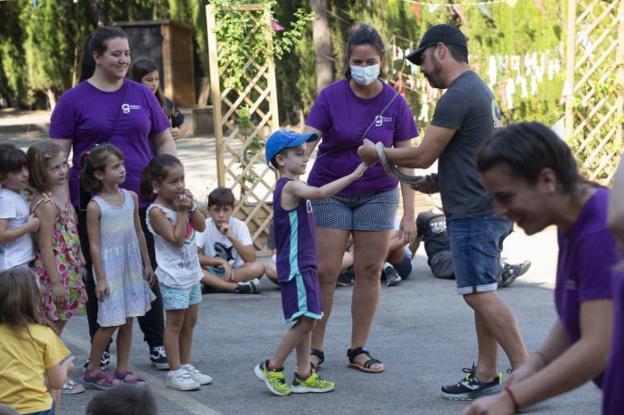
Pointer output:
366, 367
321, 356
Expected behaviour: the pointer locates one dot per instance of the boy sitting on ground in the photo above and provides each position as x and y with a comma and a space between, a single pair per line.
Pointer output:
226, 251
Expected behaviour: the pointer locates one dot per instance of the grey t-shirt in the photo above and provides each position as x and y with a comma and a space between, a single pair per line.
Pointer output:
469, 107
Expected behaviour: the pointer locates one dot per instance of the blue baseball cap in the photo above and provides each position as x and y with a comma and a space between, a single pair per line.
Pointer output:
282, 139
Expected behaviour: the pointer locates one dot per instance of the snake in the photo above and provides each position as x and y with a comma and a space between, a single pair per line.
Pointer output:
393, 170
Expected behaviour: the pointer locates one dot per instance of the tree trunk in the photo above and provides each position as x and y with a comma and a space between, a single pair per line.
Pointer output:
322, 44
51, 98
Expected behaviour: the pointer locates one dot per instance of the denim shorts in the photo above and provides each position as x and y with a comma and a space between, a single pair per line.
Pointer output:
373, 212
180, 298
476, 244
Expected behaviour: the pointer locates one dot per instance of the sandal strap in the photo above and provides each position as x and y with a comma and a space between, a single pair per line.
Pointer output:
99, 375
122, 376
352, 353
371, 361
318, 353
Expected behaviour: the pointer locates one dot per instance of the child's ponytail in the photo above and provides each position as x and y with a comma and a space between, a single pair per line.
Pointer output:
93, 161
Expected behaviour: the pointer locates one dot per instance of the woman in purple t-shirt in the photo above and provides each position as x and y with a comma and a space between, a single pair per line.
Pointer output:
613, 385
534, 180
106, 108
362, 105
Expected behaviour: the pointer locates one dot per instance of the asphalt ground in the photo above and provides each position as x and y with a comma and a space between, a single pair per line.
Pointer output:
423, 332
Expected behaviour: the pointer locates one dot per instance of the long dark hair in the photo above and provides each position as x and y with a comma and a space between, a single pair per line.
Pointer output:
95, 160
364, 34
142, 67
97, 42
156, 171
526, 149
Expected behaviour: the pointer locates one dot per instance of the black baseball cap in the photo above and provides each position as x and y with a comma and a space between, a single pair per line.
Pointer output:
444, 33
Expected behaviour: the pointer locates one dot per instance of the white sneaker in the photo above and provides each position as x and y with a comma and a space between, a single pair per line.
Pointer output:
197, 376
181, 381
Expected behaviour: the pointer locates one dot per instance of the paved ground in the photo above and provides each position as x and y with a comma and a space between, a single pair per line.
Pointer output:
423, 332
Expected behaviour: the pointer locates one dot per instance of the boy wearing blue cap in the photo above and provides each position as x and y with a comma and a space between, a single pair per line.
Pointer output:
296, 261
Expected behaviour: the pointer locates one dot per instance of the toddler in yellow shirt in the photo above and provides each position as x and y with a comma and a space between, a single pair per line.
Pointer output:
36, 362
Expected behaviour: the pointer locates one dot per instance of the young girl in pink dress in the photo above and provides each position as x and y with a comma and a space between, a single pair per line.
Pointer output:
58, 259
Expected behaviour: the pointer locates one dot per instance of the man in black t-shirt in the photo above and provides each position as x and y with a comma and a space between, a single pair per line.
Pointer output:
465, 116
431, 229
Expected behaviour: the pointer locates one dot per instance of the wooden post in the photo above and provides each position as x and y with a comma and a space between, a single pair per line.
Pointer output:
570, 62
215, 91
274, 123
620, 74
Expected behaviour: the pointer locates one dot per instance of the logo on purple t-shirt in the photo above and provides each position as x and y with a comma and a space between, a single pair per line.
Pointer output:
126, 108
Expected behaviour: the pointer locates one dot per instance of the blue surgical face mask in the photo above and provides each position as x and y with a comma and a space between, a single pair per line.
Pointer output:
365, 75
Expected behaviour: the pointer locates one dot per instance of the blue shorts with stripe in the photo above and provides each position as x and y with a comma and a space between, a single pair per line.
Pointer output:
301, 296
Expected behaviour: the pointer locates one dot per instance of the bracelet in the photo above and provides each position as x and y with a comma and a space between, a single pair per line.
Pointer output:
513, 399
194, 207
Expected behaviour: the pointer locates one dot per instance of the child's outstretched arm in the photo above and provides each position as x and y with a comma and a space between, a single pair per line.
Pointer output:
102, 289
8, 235
301, 190
147, 262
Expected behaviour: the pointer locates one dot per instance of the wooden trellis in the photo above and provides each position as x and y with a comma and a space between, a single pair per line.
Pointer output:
594, 84
240, 151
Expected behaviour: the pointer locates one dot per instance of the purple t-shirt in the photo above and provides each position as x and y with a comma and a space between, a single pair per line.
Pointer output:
342, 117
125, 118
613, 383
587, 254
295, 236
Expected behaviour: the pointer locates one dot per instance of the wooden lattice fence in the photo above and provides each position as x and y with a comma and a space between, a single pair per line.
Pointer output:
245, 112
594, 84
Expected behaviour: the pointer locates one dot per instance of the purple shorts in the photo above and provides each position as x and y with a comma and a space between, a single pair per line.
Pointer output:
301, 296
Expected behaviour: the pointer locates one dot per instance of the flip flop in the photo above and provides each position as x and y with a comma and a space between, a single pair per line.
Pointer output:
366, 367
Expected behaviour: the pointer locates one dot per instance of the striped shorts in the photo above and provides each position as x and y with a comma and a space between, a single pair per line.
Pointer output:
373, 212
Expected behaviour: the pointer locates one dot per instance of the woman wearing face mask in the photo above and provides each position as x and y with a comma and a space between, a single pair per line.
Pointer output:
361, 105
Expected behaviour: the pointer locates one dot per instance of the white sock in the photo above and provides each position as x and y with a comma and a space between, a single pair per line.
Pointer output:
174, 373
187, 366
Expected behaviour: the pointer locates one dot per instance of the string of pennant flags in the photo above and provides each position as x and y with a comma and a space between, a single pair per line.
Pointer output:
513, 77
433, 6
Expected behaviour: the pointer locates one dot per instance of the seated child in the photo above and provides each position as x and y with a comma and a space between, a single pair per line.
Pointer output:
226, 251
431, 228
398, 265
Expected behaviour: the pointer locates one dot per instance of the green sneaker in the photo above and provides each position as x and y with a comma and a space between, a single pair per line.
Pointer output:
314, 383
273, 379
